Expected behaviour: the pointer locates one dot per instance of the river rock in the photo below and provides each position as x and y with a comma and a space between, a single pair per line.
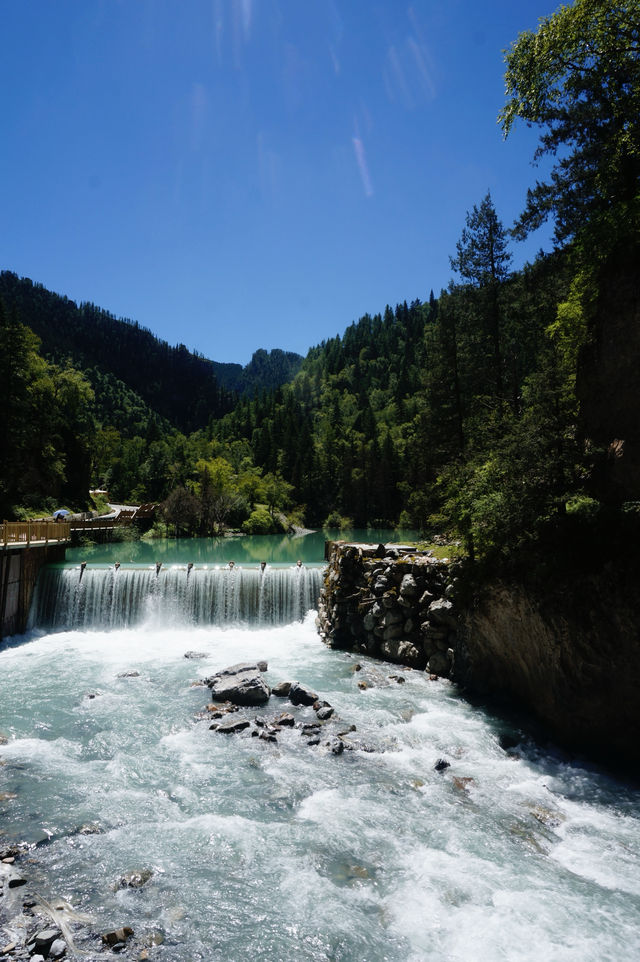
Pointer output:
58, 949
231, 727
286, 720
45, 939
324, 712
134, 880
195, 654
241, 684
267, 736
439, 663
301, 694
117, 935
441, 765
282, 689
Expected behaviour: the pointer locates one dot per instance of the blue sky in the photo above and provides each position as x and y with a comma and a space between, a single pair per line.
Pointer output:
236, 174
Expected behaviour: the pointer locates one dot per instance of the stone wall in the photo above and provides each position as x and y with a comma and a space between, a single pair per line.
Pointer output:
391, 602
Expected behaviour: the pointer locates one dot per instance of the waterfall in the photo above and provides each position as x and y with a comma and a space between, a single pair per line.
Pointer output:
67, 598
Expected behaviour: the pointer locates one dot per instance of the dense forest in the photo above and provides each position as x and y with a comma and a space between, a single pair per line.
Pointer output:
466, 413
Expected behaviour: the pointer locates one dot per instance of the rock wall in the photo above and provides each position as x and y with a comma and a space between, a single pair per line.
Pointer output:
568, 653
391, 602
570, 656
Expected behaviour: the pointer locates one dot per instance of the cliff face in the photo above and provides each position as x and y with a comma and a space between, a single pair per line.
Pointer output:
572, 658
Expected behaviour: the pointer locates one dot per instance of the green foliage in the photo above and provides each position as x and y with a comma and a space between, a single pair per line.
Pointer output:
582, 506
578, 78
261, 521
46, 425
335, 520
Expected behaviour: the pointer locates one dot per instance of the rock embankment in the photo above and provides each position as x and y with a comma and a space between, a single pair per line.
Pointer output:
389, 601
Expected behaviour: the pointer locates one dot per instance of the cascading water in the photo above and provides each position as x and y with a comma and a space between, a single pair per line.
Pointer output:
255, 851
122, 597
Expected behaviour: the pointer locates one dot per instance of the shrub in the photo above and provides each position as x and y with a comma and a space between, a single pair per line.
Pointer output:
261, 522
336, 520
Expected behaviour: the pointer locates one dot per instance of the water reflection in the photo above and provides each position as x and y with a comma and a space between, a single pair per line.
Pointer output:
241, 549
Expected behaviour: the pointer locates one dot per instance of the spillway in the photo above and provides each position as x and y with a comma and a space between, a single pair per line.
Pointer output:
73, 597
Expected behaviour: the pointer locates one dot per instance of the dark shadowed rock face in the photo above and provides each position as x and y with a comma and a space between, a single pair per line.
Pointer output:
572, 657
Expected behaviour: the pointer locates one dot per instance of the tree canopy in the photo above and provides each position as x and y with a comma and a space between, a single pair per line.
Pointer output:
578, 78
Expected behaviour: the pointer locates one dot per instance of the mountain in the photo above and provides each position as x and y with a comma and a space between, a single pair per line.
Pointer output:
180, 386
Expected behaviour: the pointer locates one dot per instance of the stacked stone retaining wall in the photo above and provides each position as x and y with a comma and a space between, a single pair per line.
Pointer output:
389, 601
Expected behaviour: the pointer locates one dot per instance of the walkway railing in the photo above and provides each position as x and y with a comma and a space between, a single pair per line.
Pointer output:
30, 532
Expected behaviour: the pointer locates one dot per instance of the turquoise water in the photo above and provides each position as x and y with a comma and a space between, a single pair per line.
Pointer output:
245, 549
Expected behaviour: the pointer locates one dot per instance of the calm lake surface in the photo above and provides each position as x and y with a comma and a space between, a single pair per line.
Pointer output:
268, 852
241, 549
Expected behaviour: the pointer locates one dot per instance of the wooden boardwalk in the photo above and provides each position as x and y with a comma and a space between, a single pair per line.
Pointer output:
23, 534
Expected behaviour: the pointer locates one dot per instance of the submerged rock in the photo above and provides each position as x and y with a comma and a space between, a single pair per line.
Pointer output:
195, 654
134, 880
117, 935
286, 720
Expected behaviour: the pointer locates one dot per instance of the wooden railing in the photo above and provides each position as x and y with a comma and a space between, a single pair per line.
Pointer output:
28, 532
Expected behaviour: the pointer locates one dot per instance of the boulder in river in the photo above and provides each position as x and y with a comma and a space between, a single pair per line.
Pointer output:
231, 727
301, 694
241, 684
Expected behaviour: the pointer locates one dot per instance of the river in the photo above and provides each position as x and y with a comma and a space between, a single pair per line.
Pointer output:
274, 851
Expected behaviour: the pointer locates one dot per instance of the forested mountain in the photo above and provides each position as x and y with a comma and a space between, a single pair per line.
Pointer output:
382, 423
184, 388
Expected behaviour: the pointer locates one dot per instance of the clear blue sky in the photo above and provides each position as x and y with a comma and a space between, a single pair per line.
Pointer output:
237, 174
